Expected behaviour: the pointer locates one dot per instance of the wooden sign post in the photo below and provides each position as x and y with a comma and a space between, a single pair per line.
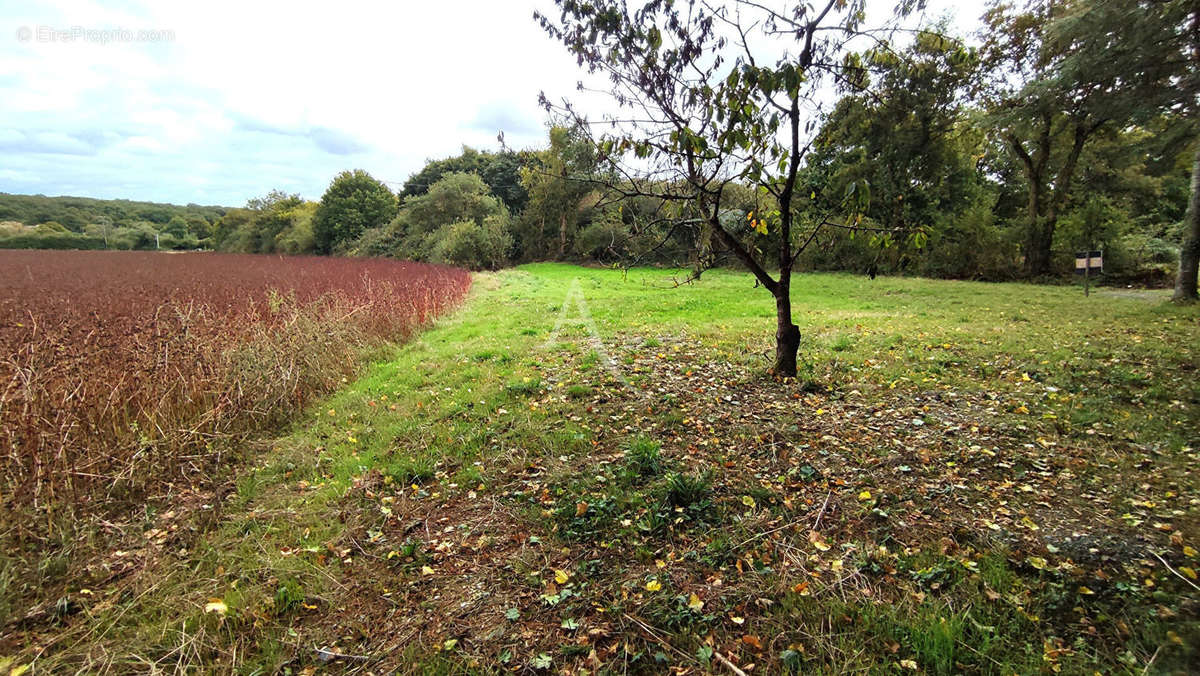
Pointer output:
1085, 263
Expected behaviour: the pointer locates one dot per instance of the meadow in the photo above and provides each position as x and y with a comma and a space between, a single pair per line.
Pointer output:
591, 471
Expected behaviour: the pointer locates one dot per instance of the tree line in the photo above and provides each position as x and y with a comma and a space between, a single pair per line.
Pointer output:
41, 222
995, 161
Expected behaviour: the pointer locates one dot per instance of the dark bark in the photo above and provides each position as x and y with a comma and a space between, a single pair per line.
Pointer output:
1042, 209
1189, 254
562, 236
787, 334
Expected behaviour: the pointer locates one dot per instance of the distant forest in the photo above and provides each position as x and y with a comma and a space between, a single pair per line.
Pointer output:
41, 222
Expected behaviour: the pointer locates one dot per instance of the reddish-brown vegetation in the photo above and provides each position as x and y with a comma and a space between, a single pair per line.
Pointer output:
120, 371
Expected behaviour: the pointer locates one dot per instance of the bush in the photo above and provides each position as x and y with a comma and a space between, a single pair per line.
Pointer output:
50, 240
466, 244
603, 240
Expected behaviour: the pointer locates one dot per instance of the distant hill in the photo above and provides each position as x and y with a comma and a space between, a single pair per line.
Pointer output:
75, 213
41, 222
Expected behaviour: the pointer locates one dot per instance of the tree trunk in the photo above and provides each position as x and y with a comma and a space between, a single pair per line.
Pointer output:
1189, 255
1038, 257
562, 236
787, 334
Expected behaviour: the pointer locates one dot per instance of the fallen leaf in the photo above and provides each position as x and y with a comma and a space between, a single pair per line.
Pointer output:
653, 585
216, 606
561, 576
695, 603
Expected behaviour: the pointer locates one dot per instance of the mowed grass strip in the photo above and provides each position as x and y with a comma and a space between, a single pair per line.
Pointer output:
966, 477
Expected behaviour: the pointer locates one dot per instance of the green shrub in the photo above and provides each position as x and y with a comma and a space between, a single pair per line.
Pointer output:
467, 244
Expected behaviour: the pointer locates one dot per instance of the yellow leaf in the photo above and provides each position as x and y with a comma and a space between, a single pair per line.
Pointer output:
1188, 551
865, 495
737, 620
817, 541
17, 671
1085, 591
216, 606
1188, 571
1028, 523
908, 664
1037, 562
836, 565
695, 603
561, 576
426, 570
748, 501
653, 585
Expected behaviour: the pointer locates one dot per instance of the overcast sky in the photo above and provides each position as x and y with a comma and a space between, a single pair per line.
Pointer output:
216, 102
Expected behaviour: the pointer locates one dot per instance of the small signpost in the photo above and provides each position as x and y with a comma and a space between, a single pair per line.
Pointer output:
1085, 263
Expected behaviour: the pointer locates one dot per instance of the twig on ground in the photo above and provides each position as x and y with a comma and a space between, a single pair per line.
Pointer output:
1177, 573
725, 661
817, 525
1152, 658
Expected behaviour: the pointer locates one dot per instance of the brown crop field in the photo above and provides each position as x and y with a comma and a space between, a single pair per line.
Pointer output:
125, 372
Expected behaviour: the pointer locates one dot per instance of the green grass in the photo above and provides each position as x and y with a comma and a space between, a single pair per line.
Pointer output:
492, 452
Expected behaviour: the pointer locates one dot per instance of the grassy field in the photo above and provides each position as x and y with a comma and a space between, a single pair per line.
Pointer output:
966, 478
